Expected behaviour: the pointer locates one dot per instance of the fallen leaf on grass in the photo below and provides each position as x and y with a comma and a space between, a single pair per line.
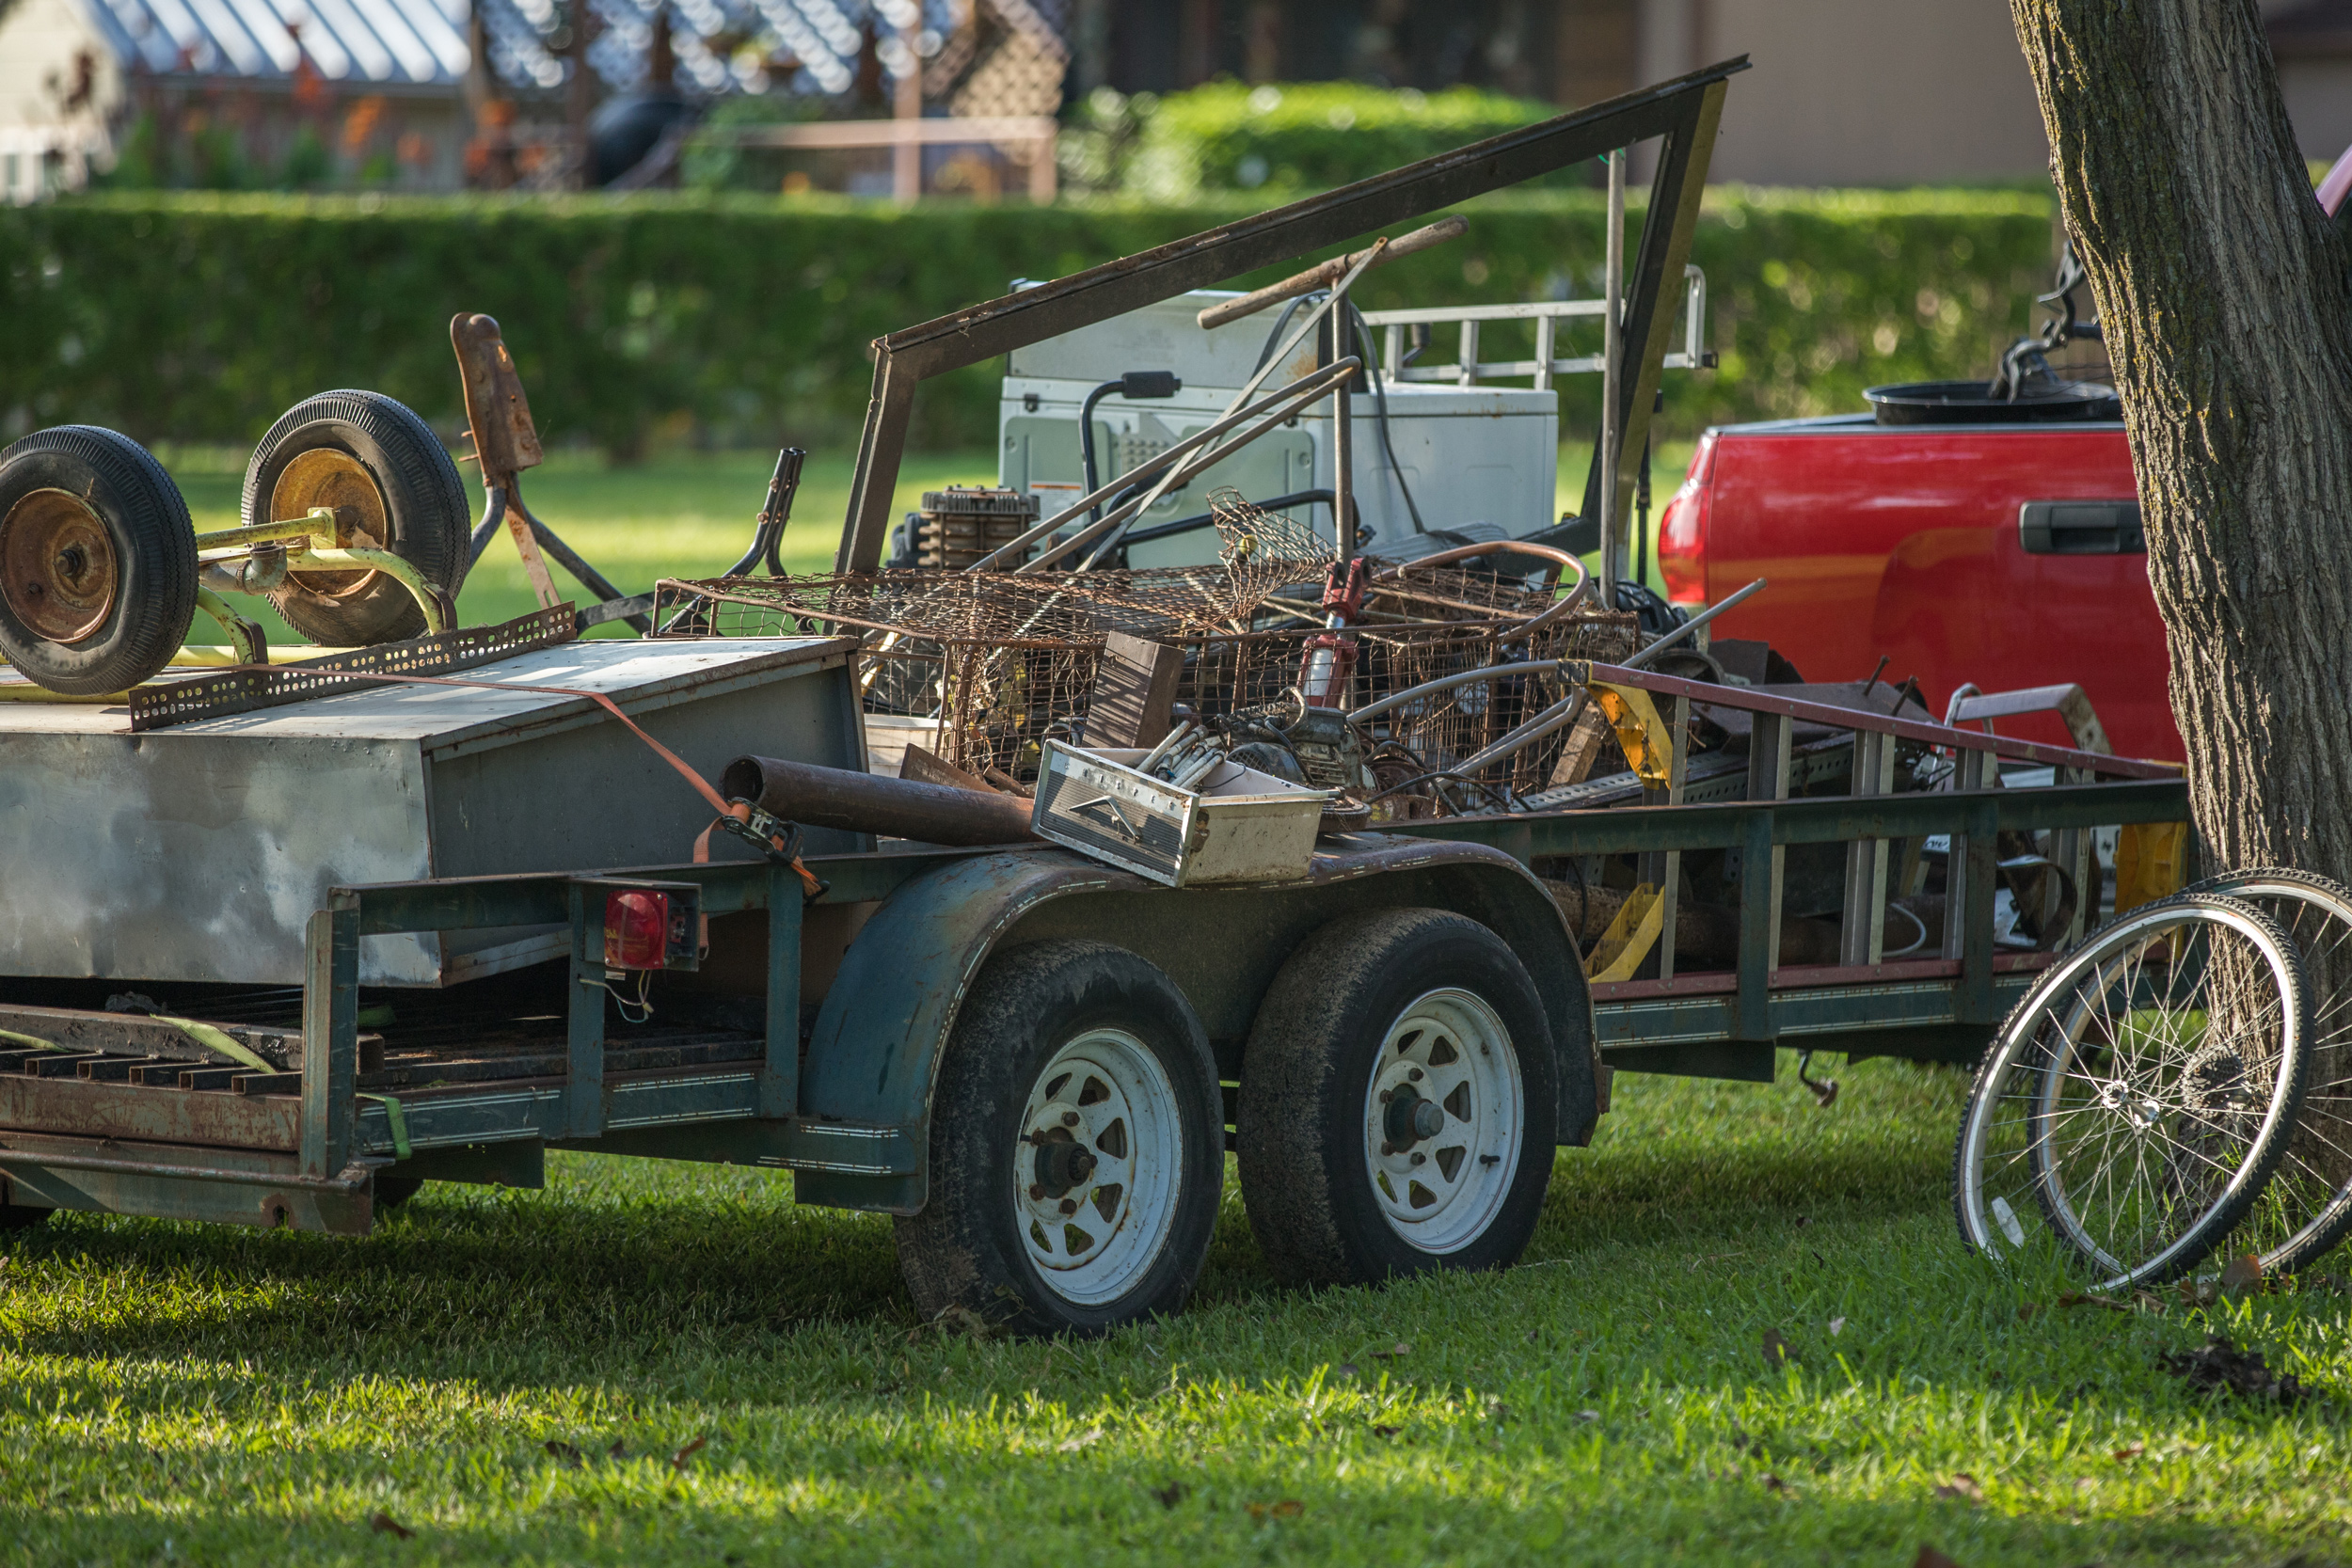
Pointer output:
1086, 1439
2244, 1269
384, 1524
1400, 1348
1777, 1350
1171, 1494
1963, 1486
559, 1450
678, 1460
2216, 1367
1289, 1508
2130, 1452
1929, 1557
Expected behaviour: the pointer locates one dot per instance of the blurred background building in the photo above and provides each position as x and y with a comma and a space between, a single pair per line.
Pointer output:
438, 94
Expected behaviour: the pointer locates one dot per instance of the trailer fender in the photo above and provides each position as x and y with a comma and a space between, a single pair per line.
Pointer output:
874, 1053
875, 1049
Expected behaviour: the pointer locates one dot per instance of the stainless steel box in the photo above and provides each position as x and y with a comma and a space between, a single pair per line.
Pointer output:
198, 853
1241, 826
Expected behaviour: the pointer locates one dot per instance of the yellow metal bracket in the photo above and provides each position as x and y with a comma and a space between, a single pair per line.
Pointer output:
1632, 933
1642, 730
2151, 862
245, 637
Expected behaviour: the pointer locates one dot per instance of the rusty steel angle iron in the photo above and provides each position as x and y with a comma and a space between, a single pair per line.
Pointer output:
1684, 111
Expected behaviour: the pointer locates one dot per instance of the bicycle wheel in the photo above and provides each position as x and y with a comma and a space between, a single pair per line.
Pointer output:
2140, 1094
2305, 1211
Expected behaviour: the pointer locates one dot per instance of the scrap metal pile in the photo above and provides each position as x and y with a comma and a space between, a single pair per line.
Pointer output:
1267, 654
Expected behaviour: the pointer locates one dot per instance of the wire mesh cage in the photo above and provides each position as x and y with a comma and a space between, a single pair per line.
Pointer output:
991, 664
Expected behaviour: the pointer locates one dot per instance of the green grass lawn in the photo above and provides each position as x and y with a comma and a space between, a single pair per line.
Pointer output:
508, 1375
685, 515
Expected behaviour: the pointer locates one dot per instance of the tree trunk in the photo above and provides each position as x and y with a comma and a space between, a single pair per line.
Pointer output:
2223, 293
2228, 316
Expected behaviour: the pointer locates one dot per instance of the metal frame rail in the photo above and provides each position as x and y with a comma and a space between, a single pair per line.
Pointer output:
1723, 1024
309, 1163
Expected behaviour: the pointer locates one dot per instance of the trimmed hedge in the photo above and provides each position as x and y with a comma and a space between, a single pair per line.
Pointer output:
738, 319
1310, 136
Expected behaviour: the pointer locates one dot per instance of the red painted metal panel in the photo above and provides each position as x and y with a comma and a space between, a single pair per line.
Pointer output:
1902, 541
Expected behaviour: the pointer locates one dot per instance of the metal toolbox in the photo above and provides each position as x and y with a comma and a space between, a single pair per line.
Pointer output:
1240, 825
198, 851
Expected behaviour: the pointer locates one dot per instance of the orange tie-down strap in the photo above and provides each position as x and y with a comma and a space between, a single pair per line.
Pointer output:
736, 816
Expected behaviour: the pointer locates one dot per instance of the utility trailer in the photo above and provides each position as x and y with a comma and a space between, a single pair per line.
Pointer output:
476, 934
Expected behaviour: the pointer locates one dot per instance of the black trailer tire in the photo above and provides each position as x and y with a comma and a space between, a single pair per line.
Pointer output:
1350, 1173
393, 1191
1069, 1062
97, 560
363, 451
18, 1216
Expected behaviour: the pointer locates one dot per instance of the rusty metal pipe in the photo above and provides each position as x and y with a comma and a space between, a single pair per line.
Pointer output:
869, 804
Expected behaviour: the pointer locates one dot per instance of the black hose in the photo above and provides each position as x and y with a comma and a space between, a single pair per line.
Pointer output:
1379, 389
1086, 438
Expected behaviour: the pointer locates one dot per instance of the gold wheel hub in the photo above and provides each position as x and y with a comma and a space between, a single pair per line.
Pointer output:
58, 567
324, 476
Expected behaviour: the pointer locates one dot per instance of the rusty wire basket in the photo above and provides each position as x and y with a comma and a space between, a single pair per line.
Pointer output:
984, 667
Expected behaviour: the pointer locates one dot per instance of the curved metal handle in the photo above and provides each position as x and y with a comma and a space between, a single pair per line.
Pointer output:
1508, 546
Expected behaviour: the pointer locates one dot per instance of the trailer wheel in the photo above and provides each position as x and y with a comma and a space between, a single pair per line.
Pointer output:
1075, 1147
18, 1216
97, 560
393, 1191
364, 452
1399, 1102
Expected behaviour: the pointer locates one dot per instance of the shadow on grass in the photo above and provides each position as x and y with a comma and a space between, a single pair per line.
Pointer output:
622, 1259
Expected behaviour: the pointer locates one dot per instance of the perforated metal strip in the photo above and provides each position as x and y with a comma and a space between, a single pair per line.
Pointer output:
168, 702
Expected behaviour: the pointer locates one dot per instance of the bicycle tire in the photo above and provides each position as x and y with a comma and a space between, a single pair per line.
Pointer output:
2020, 1138
2306, 1210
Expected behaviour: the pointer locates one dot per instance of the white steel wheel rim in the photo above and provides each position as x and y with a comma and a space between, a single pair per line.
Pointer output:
1094, 1223
1441, 1191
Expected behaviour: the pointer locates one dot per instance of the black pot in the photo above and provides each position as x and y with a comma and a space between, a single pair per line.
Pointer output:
1969, 403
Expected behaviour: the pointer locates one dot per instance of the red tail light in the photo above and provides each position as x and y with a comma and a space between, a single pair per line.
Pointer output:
636, 929
1683, 529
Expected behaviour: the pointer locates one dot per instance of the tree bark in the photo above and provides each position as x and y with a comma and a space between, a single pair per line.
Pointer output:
2222, 289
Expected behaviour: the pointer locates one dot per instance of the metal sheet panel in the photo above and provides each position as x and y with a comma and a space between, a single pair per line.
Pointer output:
197, 853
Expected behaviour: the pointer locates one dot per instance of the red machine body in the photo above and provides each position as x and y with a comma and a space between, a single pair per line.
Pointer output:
1905, 541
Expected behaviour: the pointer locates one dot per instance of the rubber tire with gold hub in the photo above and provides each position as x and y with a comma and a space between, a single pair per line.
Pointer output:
393, 487
97, 560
